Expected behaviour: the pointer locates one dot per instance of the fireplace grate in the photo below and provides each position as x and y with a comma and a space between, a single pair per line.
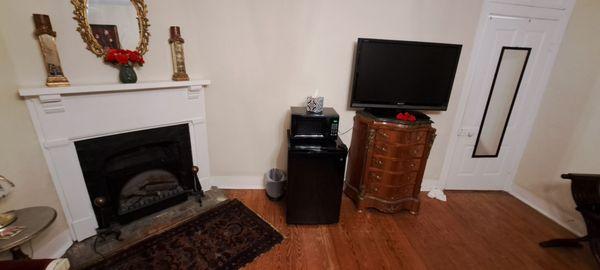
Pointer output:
133, 174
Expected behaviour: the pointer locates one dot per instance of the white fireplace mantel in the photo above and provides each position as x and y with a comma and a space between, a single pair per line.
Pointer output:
63, 115
52, 96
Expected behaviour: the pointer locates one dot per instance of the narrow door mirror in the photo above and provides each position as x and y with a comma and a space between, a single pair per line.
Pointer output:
505, 86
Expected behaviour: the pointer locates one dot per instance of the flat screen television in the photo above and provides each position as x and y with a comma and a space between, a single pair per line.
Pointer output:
404, 75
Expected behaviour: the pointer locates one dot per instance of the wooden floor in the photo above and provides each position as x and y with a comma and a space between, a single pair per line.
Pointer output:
473, 230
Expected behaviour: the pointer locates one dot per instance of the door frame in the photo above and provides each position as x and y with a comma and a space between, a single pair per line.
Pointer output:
508, 8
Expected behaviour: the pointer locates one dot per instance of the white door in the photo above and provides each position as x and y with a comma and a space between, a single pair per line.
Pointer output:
508, 78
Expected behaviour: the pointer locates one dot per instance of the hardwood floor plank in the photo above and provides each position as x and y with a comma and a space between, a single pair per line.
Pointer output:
495, 230
532, 230
398, 246
442, 239
345, 252
473, 230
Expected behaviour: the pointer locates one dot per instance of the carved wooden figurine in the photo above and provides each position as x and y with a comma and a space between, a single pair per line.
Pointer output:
47, 39
176, 42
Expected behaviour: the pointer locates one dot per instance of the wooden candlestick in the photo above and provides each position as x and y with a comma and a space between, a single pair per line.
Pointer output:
47, 39
176, 42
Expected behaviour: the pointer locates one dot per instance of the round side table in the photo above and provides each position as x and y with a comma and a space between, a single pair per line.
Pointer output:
35, 220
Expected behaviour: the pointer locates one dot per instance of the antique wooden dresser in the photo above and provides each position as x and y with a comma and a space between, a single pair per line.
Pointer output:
387, 161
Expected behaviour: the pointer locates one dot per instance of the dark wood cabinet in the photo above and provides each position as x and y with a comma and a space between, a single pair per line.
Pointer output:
386, 162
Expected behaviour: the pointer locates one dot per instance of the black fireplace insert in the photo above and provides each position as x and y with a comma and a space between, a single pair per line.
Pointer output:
133, 174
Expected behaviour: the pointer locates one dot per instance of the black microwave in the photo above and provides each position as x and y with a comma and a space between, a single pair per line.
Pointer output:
314, 126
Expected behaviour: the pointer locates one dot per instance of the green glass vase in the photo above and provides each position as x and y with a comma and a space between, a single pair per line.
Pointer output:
127, 74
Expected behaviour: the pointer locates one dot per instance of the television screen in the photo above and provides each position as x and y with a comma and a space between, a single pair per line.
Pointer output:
403, 74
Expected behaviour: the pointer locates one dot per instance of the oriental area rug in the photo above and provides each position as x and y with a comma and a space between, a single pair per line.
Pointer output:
225, 237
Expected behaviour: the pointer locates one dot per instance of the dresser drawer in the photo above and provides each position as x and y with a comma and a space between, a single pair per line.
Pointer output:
398, 151
401, 136
391, 179
390, 193
395, 165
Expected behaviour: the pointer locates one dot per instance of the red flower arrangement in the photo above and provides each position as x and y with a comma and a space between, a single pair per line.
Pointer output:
406, 117
124, 57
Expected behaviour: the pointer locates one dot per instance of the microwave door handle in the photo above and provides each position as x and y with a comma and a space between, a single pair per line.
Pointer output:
309, 135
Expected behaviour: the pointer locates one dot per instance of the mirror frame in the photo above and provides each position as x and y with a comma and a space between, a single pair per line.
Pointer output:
85, 29
512, 104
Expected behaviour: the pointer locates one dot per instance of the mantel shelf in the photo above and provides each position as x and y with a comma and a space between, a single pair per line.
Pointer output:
98, 88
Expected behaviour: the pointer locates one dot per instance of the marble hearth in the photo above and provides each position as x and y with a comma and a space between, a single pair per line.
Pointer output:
65, 115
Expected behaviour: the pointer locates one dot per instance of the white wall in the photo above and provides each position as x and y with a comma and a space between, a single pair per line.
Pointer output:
266, 56
21, 161
565, 135
262, 57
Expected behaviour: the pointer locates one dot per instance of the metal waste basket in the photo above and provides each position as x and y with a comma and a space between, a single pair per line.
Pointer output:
275, 180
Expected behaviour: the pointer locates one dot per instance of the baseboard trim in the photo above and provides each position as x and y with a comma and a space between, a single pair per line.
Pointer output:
564, 219
238, 182
257, 182
54, 248
429, 184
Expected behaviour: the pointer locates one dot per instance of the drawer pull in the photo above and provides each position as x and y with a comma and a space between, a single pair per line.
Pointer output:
385, 134
411, 165
415, 152
379, 163
375, 189
376, 176
418, 138
382, 148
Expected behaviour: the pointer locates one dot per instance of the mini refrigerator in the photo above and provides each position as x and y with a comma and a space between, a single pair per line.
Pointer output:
315, 181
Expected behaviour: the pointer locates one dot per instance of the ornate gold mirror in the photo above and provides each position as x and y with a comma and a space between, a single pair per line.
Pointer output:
112, 24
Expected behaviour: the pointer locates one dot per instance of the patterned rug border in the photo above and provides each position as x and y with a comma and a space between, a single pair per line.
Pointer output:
241, 262
260, 253
155, 234
264, 219
273, 227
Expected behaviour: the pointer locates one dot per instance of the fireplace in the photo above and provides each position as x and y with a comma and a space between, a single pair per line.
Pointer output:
64, 116
133, 174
